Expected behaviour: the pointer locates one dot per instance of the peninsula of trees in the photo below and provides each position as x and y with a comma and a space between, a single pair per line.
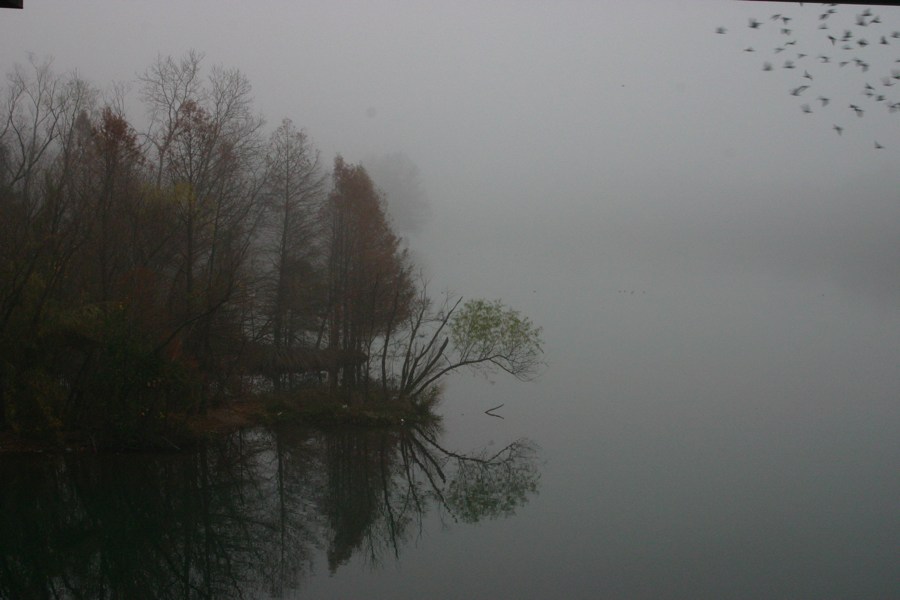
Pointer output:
164, 269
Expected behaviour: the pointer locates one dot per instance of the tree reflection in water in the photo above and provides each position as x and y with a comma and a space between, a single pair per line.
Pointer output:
242, 516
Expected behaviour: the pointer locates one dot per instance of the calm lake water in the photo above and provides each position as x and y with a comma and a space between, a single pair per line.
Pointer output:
678, 445
717, 419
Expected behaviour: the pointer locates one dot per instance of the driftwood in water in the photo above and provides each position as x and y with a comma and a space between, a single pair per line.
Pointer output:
490, 411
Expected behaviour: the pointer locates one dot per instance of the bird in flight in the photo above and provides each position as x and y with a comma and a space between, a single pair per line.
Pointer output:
854, 50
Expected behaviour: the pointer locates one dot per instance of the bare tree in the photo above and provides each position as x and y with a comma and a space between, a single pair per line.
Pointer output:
42, 222
294, 186
208, 152
165, 87
43, 113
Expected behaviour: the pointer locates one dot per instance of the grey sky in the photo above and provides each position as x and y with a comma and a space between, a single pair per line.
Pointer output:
565, 142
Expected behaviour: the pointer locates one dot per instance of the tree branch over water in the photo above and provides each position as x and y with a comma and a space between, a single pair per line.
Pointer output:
481, 335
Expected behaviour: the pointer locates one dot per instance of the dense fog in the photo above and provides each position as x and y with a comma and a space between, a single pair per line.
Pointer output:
716, 270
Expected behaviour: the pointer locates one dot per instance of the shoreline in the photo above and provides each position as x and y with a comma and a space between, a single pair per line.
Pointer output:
257, 411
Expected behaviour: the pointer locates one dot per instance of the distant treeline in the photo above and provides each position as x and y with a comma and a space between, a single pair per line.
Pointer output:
163, 269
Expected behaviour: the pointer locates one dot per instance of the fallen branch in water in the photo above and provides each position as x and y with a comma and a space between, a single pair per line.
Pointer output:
490, 411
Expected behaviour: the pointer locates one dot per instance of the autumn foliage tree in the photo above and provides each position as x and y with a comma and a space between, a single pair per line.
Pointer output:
367, 272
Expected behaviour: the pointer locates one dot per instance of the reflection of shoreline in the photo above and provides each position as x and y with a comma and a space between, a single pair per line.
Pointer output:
249, 513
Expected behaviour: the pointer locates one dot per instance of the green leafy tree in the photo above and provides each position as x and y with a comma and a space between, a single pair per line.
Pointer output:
481, 335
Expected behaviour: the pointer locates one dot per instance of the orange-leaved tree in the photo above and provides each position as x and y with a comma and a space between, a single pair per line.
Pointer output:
367, 273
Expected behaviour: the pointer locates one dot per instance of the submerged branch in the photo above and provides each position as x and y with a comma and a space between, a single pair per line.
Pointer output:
490, 411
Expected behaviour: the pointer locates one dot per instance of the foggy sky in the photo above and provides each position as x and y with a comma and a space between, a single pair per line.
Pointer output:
613, 142
717, 274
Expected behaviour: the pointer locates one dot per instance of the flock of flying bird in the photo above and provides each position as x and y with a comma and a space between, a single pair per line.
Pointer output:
846, 45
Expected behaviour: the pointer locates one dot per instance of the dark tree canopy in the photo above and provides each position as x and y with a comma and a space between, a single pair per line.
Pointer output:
157, 271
